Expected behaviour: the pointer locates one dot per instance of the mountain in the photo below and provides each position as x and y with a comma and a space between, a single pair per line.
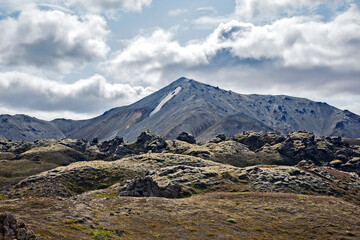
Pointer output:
22, 127
205, 111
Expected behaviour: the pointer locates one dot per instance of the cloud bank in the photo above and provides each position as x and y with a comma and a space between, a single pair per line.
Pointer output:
86, 96
297, 42
261, 11
52, 39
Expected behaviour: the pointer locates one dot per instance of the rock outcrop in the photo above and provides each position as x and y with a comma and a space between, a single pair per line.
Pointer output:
11, 229
74, 179
147, 187
186, 137
174, 175
154, 164
255, 140
148, 141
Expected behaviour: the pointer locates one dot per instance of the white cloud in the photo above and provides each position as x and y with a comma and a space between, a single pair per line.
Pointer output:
52, 39
177, 12
95, 6
269, 10
46, 115
296, 42
207, 9
104, 5
261, 12
145, 57
210, 22
22, 92
352, 106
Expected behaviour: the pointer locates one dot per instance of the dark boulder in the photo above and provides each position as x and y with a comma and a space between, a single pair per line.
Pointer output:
95, 141
111, 145
37, 159
254, 140
145, 137
298, 146
186, 137
10, 229
156, 146
219, 138
148, 141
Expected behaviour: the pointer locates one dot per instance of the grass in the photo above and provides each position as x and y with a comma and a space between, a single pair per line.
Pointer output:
12, 172
196, 217
91, 176
101, 234
22, 168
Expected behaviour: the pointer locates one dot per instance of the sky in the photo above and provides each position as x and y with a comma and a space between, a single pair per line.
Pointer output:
79, 58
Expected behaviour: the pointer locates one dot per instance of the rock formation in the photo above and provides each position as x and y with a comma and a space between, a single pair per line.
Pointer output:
147, 187
11, 229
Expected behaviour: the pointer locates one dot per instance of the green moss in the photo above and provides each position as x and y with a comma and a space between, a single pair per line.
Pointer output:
267, 208
240, 193
105, 195
231, 220
71, 223
2, 197
302, 197
259, 229
101, 234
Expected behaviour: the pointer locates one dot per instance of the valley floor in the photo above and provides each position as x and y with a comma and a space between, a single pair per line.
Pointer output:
242, 215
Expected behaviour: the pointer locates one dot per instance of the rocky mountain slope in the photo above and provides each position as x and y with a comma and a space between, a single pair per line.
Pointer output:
22, 127
204, 111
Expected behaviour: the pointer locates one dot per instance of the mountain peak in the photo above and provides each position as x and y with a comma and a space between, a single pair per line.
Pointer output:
182, 79
180, 82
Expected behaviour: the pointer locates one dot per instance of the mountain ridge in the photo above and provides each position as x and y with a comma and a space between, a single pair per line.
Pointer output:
205, 111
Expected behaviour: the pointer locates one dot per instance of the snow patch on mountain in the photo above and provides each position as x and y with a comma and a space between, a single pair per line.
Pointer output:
165, 100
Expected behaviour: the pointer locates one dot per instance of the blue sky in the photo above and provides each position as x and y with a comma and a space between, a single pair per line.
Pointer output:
79, 58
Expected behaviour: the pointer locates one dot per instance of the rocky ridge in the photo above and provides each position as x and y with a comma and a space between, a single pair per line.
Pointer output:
245, 162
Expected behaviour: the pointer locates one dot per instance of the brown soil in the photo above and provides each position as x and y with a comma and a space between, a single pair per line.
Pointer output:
242, 215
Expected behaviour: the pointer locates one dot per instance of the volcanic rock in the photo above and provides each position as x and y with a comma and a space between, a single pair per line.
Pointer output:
186, 137
147, 187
